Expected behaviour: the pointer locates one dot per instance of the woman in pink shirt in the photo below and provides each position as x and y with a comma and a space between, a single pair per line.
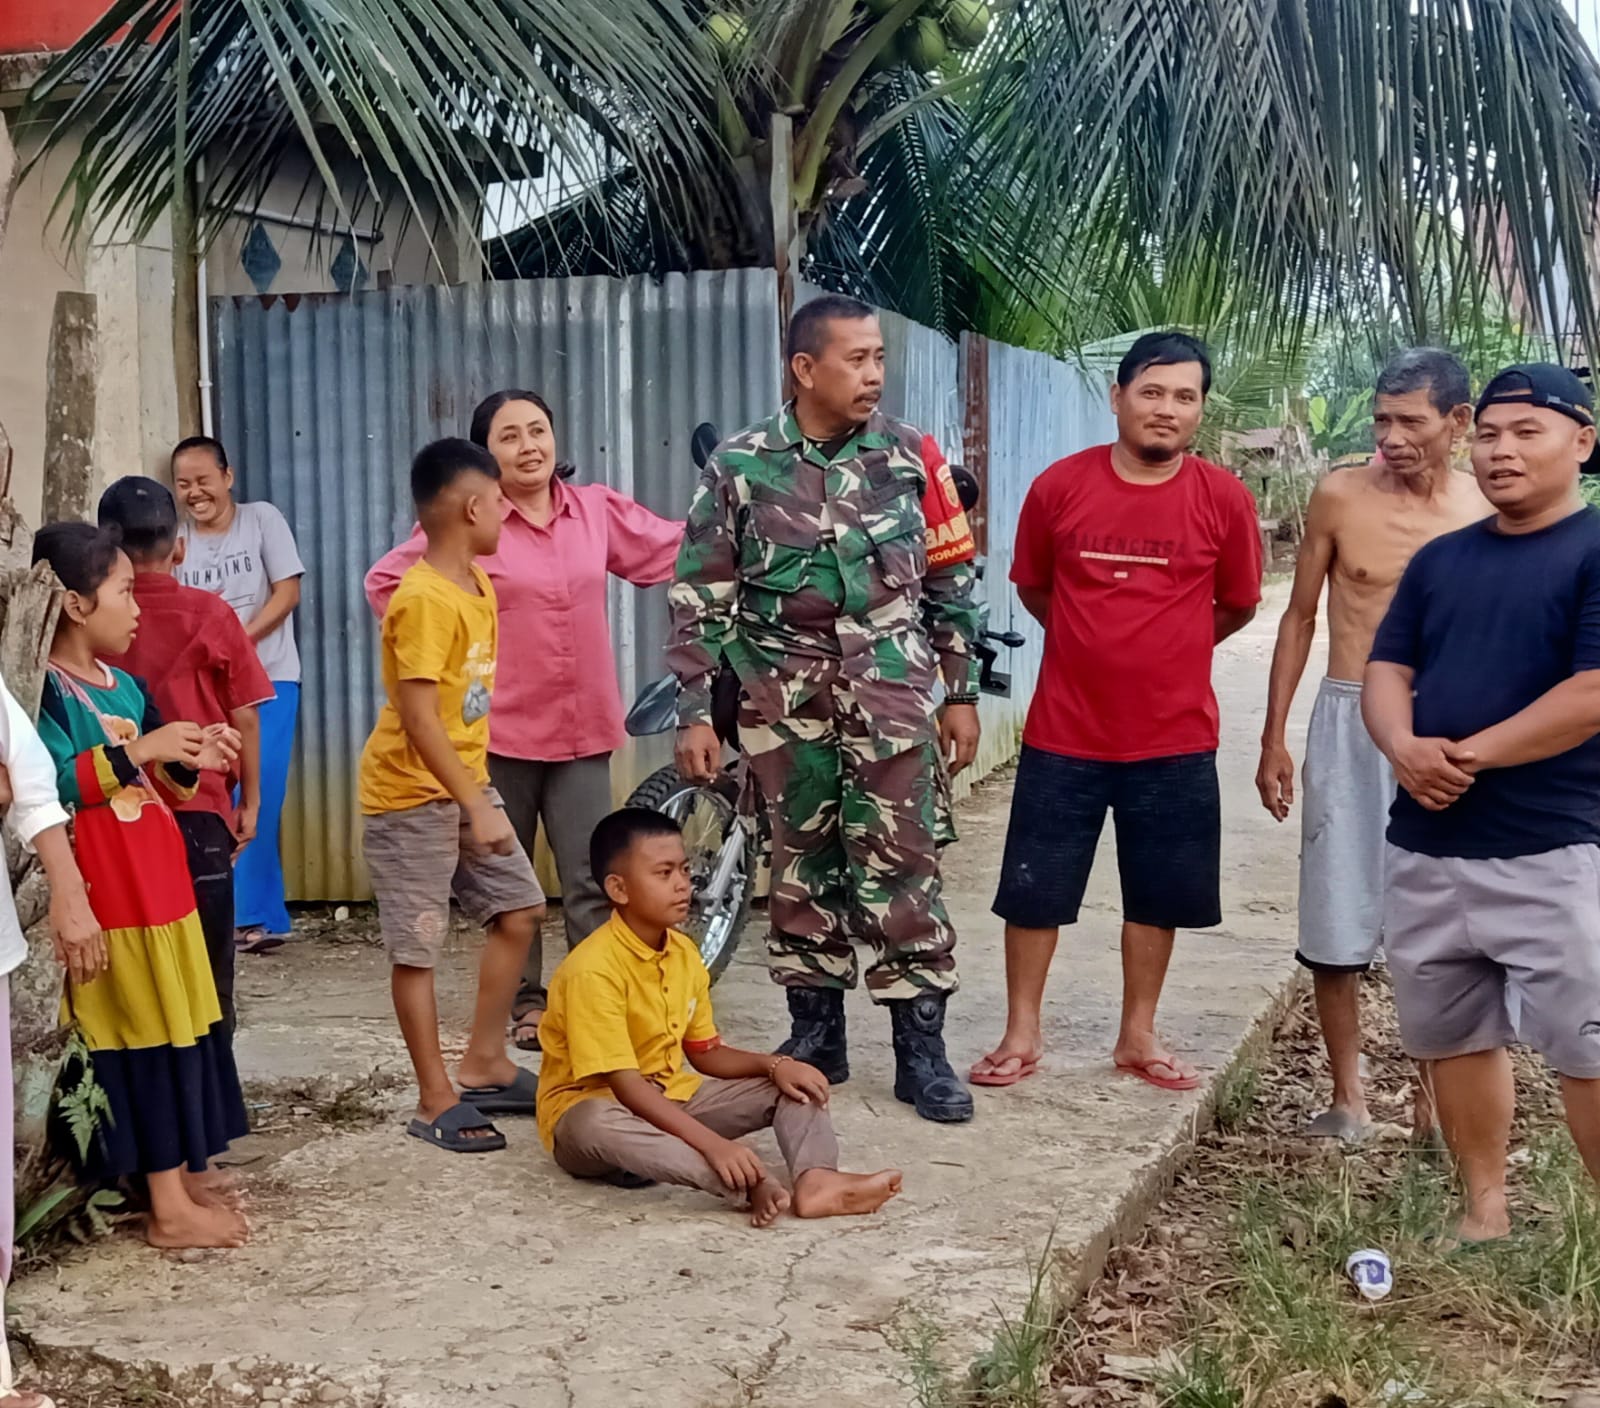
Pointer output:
557, 713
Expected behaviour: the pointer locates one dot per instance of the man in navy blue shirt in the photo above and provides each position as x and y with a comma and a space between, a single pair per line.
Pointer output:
1483, 691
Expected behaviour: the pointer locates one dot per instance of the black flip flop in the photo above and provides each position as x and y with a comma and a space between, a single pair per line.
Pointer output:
521, 1097
448, 1131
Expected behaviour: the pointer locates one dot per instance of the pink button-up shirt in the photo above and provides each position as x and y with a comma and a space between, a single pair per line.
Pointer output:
555, 695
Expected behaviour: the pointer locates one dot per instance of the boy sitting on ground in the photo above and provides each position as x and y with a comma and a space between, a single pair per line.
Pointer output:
629, 1034
434, 826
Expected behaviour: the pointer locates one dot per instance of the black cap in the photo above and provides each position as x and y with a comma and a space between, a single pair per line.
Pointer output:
1540, 384
145, 513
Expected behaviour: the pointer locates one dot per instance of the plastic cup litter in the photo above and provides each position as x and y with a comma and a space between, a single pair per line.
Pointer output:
1371, 1271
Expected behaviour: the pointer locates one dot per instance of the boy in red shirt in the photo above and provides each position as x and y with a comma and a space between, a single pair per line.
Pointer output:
199, 665
1137, 558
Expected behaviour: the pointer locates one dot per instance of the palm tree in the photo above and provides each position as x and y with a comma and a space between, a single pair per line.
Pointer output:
1405, 156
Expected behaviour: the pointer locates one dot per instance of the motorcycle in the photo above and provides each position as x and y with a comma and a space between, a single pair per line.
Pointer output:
724, 847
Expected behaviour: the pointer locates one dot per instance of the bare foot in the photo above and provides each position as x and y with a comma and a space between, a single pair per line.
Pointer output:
768, 1203
205, 1227
825, 1192
1490, 1226
211, 1189
26, 1398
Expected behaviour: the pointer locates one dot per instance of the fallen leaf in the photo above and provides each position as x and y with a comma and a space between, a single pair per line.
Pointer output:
1142, 1368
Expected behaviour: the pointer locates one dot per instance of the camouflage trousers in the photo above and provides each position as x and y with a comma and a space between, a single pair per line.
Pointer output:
855, 851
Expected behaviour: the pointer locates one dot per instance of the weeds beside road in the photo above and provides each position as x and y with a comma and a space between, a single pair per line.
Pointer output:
1235, 1295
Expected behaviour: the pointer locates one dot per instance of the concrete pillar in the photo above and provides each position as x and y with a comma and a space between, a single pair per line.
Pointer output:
136, 424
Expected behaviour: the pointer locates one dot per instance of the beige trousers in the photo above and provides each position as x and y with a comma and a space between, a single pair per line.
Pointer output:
598, 1137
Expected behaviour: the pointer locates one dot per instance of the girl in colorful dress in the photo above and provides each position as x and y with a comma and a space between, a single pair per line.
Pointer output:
152, 1021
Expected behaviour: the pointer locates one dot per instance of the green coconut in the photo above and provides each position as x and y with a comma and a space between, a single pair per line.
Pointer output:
923, 45
728, 32
888, 59
965, 22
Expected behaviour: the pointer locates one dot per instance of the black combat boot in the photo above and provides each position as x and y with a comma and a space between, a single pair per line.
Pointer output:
816, 1031
922, 1074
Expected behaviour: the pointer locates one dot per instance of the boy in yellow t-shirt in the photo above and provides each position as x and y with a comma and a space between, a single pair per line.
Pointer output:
434, 826
628, 1036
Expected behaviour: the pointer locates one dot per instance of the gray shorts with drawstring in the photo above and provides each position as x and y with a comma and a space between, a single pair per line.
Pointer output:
1469, 940
1346, 790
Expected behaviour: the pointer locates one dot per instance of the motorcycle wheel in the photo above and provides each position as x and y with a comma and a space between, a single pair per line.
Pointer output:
710, 821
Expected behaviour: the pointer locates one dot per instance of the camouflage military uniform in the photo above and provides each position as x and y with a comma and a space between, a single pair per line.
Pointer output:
810, 577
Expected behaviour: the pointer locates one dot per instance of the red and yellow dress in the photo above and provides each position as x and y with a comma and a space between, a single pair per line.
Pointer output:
152, 1021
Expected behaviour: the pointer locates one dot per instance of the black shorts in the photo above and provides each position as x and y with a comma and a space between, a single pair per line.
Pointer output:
1168, 815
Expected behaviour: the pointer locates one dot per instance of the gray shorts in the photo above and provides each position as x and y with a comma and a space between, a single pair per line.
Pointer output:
1346, 788
422, 856
1464, 936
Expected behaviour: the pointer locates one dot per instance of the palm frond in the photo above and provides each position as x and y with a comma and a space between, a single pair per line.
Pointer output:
1351, 154
431, 99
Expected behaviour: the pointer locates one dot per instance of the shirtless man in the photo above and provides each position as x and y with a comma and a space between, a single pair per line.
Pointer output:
1362, 527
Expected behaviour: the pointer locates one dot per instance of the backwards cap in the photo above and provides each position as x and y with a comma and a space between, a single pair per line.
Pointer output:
1540, 384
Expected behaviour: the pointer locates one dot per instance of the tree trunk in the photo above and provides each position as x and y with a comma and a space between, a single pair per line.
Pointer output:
29, 599
71, 373
8, 175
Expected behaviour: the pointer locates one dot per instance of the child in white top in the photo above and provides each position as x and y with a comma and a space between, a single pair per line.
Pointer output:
35, 816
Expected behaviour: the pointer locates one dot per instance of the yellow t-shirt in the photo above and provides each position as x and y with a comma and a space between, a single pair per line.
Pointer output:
433, 630
617, 1005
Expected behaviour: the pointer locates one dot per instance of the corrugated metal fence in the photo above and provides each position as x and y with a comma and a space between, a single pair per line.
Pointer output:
322, 400
1039, 410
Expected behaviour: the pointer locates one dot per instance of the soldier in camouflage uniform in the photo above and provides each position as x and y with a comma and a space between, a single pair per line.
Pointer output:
827, 561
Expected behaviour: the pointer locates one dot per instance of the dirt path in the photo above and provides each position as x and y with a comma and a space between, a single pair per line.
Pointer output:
416, 1279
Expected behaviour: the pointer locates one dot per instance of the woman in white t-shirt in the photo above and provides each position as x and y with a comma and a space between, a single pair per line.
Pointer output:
246, 554
35, 816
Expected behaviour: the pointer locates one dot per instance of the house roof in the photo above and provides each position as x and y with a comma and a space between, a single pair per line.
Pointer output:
31, 26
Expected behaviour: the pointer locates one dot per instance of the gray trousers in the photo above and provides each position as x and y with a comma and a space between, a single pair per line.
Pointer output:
571, 799
597, 1137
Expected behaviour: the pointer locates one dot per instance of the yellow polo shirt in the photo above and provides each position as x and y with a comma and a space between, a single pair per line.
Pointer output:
616, 1004
435, 631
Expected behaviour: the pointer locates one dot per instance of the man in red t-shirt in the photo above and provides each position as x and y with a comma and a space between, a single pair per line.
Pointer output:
201, 668
1137, 558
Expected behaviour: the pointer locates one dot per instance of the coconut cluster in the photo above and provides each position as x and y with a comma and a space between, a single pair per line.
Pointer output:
939, 29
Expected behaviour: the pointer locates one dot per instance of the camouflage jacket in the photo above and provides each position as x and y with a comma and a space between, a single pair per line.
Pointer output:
797, 569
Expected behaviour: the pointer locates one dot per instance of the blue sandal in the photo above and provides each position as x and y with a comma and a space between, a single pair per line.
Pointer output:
521, 1097
449, 1131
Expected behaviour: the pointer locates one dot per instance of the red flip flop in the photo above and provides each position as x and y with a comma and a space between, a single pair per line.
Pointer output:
1026, 1066
1145, 1073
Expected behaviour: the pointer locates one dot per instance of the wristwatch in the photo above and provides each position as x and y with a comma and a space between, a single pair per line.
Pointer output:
967, 697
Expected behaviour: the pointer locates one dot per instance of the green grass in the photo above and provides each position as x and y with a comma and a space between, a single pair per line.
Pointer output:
1236, 1094
1547, 1275
1289, 1331
1237, 1297
1204, 1381
1014, 1372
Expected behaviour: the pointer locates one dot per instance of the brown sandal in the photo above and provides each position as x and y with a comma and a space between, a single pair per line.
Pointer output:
525, 1027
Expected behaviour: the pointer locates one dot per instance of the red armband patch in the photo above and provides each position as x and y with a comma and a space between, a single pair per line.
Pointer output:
699, 1048
949, 535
